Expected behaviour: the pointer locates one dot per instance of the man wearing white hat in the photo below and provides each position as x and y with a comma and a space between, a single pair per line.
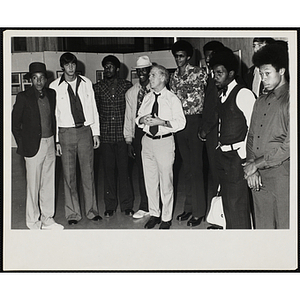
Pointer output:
132, 133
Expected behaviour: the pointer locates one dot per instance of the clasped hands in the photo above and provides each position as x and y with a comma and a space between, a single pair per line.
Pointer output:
151, 121
252, 175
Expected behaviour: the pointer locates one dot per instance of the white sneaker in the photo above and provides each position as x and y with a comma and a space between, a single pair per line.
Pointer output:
140, 214
54, 226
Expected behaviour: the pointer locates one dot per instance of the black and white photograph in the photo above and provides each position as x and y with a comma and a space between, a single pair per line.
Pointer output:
150, 150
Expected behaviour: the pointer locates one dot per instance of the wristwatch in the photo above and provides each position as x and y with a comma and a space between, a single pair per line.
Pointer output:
166, 123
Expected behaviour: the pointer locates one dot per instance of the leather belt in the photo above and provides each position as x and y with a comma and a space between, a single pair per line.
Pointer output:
231, 147
157, 137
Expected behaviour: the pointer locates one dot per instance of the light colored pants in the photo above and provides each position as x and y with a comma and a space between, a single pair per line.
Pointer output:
40, 170
158, 158
78, 143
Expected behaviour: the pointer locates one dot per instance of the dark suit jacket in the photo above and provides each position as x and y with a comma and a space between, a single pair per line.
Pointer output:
210, 115
26, 120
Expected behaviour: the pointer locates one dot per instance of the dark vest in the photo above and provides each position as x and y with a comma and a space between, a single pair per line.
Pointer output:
233, 122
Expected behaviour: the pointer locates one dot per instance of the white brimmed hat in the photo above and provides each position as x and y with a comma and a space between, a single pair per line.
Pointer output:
143, 62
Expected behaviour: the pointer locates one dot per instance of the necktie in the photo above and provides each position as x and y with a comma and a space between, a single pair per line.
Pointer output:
154, 129
76, 106
42, 95
223, 91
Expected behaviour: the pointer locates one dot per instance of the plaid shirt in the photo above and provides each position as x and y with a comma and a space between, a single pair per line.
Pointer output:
111, 109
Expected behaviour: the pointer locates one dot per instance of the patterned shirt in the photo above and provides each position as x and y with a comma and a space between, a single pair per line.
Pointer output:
110, 101
190, 88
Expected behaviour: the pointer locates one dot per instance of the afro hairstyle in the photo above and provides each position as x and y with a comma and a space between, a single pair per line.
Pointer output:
226, 58
275, 54
182, 45
213, 46
112, 59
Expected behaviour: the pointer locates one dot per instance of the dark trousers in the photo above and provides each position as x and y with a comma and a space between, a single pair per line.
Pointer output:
234, 190
213, 180
137, 145
191, 149
116, 177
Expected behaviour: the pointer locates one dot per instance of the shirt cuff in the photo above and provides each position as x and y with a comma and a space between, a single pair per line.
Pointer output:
260, 162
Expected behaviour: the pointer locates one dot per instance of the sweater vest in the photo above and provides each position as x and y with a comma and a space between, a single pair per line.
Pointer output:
233, 127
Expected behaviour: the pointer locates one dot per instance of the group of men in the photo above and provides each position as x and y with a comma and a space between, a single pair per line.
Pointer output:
246, 139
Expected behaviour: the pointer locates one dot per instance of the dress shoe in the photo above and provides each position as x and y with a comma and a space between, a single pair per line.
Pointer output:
165, 225
129, 212
140, 214
214, 227
184, 216
97, 218
108, 213
72, 222
54, 226
194, 222
152, 222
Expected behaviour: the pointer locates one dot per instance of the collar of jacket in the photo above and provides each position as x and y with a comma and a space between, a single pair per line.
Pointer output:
62, 78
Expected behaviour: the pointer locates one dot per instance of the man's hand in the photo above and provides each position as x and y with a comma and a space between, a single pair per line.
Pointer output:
249, 168
130, 151
202, 135
96, 140
144, 119
58, 150
153, 121
254, 181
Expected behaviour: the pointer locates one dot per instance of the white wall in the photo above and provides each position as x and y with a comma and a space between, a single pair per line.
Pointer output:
90, 62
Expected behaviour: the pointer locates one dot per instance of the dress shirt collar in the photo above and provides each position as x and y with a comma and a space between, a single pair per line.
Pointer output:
161, 92
39, 94
231, 85
187, 67
280, 90
62, 79
111, 82
147, 86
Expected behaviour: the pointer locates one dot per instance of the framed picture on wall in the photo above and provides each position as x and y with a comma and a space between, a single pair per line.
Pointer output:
99, 75
134, 77
26, 82
238, 54
19, 82
15, 83
59, 73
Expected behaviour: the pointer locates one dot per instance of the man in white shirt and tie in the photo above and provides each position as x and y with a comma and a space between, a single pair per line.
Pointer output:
160, 115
